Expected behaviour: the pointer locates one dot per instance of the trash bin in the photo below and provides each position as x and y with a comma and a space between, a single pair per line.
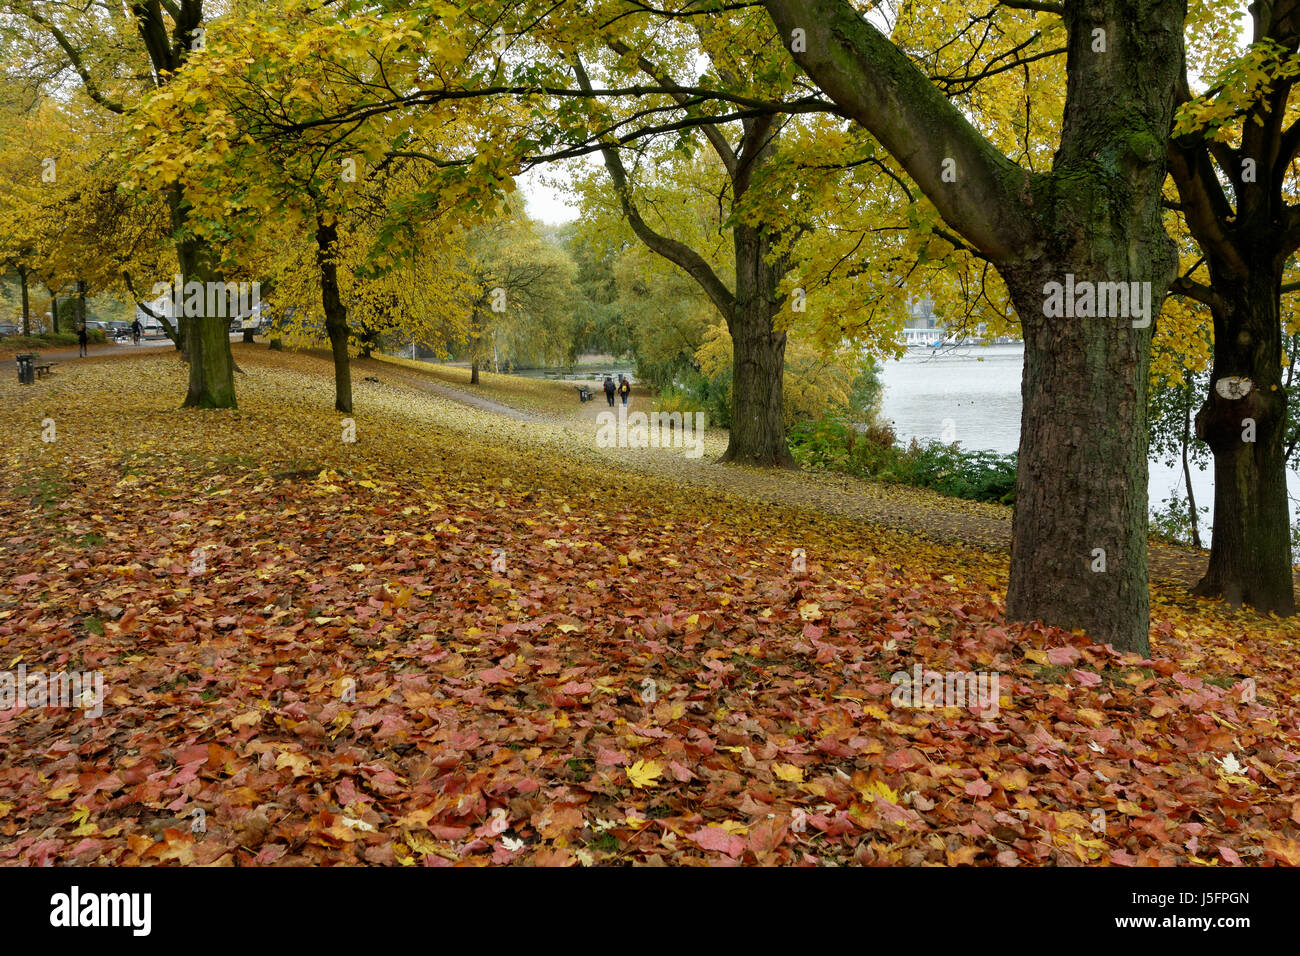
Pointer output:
26, 368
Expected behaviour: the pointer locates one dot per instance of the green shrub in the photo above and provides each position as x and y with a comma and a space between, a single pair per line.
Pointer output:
674, 399
1172, 521
696, 393
832, 443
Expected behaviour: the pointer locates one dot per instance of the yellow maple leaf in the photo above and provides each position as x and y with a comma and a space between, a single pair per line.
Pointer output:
788, 772
880, 789
298, 763
644, 773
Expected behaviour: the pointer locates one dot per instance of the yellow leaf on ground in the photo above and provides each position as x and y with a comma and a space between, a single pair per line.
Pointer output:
644, 773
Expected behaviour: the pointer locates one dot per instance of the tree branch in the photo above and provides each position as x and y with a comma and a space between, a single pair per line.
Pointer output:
673, 250
859, 68
74, 59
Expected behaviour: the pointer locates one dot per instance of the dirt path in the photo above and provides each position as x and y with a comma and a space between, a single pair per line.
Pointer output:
387, 372
940, 518
951, 520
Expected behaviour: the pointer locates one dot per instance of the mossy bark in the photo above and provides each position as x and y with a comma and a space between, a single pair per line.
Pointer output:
206, 338
757, 434
1250, 550
1081, 483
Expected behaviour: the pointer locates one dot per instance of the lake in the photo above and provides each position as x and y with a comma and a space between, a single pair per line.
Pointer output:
974, 393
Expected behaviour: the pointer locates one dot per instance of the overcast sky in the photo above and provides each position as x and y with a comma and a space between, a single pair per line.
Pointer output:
545, 202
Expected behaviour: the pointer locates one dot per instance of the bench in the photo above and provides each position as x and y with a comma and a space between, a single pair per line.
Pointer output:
43, 368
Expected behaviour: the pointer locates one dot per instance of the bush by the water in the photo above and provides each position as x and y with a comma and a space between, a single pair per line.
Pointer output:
834, 444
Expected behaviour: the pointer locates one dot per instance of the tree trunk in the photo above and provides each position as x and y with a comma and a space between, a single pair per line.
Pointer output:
1250, 551
206, 338
54, 310
758, 358
81, 303
1081, 481
27, 305
1079, 529
475, 344
336, 314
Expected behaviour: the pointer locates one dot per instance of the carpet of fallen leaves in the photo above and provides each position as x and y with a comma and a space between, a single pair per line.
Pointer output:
456, 641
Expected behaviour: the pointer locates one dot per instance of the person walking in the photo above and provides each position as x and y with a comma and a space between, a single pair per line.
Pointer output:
83, 339
136, 329
624, 389
609, 391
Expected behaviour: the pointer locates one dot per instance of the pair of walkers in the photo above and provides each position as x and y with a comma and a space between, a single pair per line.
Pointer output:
623, 389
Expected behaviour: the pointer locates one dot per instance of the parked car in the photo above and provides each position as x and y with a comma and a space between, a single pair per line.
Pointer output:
8, 329
116, 329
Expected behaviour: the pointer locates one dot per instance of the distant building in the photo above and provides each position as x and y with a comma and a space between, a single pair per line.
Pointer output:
921, 314
922, 328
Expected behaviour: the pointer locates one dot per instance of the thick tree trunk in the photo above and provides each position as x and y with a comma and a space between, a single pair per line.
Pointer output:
473, 371
336, 313
1250, 551
211, 365
1096, 217
1079, 529
758, 359
81, 303
1079, 532
207, 338
54, 310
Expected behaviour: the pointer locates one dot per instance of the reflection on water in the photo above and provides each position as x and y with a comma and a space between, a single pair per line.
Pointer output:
972, 396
